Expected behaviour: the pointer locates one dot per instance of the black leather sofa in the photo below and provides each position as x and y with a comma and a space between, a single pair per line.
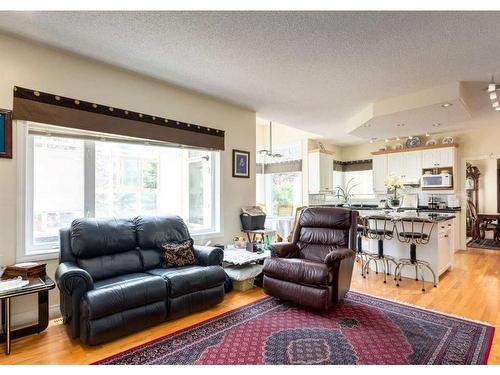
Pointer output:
112, 281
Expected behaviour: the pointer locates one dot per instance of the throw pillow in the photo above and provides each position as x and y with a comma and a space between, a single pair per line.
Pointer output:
178, 254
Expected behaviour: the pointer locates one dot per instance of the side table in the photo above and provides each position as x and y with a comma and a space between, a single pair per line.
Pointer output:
258, 232
41, 286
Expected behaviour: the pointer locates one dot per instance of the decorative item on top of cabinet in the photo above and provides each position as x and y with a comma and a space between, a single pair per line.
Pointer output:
413, 142
447, 140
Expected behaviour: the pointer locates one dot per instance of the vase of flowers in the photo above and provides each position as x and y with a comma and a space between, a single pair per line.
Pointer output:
393, 183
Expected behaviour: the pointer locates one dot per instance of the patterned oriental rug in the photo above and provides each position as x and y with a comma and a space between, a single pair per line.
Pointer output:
484, 244
363, 330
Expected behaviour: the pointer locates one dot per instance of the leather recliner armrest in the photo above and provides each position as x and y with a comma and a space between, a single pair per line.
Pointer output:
70, 277
338, 255
208, 256
284, 250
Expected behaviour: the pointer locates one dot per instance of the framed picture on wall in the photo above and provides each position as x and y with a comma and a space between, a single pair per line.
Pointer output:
5, 133
241, 164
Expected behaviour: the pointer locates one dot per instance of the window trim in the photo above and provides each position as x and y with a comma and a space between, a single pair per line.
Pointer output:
23, 205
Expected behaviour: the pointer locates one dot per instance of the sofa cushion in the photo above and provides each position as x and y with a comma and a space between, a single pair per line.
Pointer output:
92, 237
299, 271
179, 254
184, 280
106, 266
154, 231
122, 293
152, 258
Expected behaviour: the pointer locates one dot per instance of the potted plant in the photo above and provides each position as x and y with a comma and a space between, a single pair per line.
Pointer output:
345, 194
393, 183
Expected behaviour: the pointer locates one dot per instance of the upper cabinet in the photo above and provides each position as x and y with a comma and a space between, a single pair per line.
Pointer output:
320, 172
438, 157
406, 165
379, 173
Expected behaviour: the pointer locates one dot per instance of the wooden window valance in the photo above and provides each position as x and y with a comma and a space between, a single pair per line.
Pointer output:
32, 105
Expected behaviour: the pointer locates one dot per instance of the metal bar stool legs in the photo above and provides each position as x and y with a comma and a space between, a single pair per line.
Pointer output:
414, 237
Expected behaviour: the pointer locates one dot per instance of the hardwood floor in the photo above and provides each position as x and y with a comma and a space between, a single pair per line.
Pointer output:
471, 290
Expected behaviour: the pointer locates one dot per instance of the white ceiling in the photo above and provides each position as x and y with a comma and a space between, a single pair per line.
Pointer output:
311, 70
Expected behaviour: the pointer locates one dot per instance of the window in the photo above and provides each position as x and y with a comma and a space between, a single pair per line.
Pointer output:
283, 193
68, 178
280, 192
362, 182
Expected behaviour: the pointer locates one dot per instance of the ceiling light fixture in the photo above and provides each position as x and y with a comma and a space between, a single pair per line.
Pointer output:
270, 151
446, 105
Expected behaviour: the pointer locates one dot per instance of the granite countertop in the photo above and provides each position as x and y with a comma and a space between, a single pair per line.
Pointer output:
434, 217
422, 209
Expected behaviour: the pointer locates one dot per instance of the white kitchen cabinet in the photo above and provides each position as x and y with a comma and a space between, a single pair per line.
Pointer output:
446, 245
394, 164
438, 157
411, 166
320, 172
379, 173
406, 165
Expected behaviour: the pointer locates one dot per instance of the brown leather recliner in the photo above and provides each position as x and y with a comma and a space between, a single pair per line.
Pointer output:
314, 269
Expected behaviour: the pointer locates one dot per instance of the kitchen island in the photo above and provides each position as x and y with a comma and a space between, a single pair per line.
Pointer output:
438, 252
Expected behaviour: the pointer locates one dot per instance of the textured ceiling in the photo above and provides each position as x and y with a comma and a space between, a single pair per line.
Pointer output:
311, 70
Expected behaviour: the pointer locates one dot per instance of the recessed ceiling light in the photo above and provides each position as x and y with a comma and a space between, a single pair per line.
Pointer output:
446, 105
493, 95
494, 104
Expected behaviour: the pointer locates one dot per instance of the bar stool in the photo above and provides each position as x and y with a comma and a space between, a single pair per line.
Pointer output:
412, 230
380, 232
361, 232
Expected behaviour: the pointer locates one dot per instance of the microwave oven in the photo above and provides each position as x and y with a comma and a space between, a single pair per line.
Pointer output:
443, 180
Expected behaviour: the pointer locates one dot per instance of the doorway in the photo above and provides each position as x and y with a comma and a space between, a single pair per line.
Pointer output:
482, 202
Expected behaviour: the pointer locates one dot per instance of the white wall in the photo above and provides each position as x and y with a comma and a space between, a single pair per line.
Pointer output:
28, 65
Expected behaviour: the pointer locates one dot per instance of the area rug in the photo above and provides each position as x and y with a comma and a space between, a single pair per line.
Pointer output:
363, 330
484, 244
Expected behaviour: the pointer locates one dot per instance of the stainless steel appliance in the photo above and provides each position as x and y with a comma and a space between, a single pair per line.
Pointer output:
443, 180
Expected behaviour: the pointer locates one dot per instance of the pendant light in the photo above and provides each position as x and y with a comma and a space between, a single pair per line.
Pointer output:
270, 151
